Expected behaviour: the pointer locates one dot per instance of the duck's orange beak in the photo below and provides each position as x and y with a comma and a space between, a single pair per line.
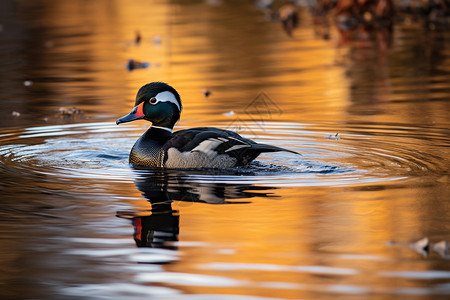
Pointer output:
136, 114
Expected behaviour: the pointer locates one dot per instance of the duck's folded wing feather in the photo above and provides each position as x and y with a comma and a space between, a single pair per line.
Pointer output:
205, 139
208, 147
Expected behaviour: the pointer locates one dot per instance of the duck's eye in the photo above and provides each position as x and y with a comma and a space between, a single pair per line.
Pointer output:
153, 100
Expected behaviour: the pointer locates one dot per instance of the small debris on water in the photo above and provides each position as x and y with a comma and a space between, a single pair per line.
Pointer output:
334, 137
133, 64
73, 112
137, 39
15, 114
422, 246
28, 83
206, 93
442, 249
229, 113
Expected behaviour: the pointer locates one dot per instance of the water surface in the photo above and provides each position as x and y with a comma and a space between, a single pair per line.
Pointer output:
369, 115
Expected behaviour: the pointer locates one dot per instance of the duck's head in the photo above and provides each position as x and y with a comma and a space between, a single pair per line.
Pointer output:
156, 102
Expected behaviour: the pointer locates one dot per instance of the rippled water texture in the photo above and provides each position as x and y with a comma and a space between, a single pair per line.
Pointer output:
362, 214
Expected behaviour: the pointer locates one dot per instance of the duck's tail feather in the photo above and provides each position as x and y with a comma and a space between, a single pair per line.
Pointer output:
270, 148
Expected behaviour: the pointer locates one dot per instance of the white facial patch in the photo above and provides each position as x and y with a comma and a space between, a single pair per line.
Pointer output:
168, 97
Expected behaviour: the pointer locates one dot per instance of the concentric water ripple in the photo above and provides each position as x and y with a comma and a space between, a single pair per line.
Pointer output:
357, 154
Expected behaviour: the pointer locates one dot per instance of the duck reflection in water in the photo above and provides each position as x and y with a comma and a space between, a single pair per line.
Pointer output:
158, 227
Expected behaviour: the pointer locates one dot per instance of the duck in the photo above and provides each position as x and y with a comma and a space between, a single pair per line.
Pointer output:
193, 148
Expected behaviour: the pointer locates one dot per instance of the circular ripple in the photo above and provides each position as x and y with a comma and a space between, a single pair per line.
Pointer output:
356, 154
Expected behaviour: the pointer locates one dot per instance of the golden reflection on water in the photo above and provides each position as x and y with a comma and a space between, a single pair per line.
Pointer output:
266, 241
235, 58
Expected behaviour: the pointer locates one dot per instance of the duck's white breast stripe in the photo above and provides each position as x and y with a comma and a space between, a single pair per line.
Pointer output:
167, 96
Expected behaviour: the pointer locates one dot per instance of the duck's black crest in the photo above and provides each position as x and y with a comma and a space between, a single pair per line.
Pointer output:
153, 89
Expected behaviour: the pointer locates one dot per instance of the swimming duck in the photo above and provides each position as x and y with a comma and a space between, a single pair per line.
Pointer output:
201, 147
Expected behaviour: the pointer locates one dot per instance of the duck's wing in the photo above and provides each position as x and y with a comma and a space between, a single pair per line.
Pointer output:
217, 143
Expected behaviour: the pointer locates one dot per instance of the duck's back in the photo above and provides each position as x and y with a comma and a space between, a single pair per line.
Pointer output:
207, 147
